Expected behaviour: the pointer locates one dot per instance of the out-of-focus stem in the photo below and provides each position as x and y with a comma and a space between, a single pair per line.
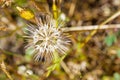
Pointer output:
3, 67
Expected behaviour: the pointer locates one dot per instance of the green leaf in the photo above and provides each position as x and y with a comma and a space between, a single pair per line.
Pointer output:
110, 39
28, 54
116, 76
118, 53
20, 2
34, 77
3, 77
106, 78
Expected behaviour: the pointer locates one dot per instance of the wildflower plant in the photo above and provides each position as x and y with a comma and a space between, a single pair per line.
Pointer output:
46, 38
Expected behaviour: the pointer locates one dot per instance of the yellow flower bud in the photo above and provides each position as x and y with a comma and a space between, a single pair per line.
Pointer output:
26, 14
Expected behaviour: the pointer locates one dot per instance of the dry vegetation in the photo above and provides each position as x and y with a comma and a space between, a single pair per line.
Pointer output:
94, 53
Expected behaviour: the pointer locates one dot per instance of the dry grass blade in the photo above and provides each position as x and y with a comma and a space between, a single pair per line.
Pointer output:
3, 67
103, 23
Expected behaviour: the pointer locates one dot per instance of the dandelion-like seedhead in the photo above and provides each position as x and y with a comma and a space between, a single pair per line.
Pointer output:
46, 39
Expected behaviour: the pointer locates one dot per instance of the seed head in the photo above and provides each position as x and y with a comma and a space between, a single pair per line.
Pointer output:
46, 38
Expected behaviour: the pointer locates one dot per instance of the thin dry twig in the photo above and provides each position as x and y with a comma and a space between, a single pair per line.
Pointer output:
92, 27
64, 66
11, 33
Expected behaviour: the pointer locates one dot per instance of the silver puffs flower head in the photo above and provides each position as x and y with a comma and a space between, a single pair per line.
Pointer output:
46, 39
